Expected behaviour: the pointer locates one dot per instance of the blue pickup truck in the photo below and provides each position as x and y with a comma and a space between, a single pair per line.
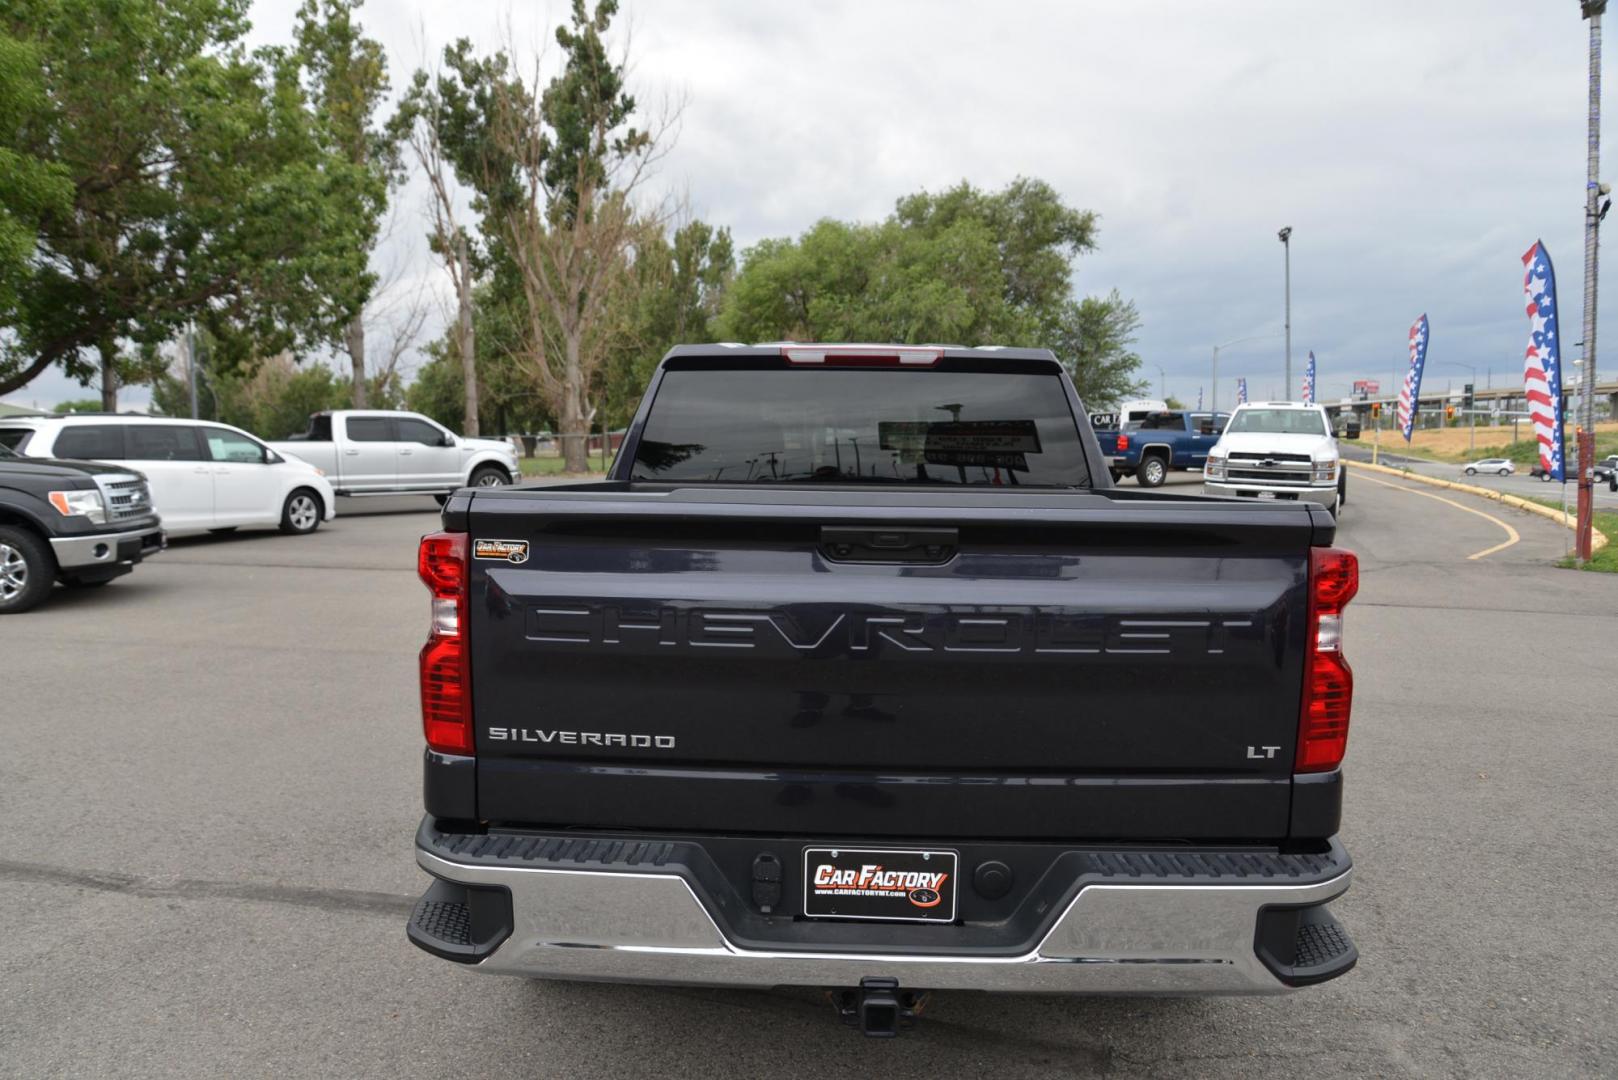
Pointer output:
1148, 447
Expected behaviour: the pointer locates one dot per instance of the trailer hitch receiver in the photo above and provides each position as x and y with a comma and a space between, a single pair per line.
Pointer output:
878, 1007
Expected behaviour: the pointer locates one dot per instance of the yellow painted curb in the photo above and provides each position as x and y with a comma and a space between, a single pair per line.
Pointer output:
1598, 539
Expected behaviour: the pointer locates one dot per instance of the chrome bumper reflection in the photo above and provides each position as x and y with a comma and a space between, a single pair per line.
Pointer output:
1112, 939
101, 549
1232, 488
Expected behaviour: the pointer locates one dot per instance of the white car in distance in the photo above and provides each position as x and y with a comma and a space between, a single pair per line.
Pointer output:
1277, 450
1498, 465
203, 476
386, 452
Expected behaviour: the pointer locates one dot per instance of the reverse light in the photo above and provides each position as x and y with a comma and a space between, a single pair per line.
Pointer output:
446, 684
1328, 681
72, 503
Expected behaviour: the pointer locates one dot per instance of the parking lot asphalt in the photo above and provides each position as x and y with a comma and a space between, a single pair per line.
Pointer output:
211, 780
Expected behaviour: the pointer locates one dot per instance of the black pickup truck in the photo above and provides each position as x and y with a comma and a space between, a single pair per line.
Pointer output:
859, 673
77, 522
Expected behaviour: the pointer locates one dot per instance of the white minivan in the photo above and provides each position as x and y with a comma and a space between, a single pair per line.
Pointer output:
203, 475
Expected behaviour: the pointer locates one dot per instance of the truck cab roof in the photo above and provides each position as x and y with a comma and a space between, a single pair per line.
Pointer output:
809, 352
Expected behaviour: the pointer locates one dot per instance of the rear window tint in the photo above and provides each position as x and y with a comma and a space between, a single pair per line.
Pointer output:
163, 442
878, 426
90, 442
15, 438
369, 429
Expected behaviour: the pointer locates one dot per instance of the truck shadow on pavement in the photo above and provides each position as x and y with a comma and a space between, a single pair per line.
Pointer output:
1081, 1034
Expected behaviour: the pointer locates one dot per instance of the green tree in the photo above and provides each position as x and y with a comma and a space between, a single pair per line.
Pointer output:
673, 298
79, 405
507, 402
31, 187
200, 187
556, 171
1093, 338
426, 112
347, 77
964, 266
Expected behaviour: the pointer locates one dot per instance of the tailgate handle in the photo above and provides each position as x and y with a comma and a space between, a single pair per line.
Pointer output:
843, 544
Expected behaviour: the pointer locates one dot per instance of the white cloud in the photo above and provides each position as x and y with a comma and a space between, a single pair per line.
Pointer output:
1417, 150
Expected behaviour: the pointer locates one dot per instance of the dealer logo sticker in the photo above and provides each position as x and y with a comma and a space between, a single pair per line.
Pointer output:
918, 886
511, 551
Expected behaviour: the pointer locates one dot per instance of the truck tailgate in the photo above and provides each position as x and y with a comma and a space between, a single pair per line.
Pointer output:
889, 662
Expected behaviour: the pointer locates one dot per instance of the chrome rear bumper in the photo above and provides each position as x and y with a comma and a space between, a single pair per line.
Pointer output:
1167, 939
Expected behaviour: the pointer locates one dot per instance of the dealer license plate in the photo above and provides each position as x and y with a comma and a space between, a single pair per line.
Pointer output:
879, 883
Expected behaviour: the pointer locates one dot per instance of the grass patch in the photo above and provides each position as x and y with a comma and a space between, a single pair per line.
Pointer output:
1605, 561
550, 466
1449, 445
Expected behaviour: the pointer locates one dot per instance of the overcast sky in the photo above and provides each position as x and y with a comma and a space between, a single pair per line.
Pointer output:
1417, 150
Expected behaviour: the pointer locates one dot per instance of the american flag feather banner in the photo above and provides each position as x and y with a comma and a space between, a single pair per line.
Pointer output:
1309, 380
1410, 392
1542, 363
1241, 391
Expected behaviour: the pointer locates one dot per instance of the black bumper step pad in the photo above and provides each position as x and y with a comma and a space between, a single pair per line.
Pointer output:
1303, 946
459, 922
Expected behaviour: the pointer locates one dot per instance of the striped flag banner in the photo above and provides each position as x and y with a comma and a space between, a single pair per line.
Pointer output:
1241, 391
1199, 399
1542, 362
1410, 392
1309, 380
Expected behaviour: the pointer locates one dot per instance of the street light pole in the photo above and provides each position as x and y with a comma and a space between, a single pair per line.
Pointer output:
1213, 398
1286, 246
1162, 382
1592, 10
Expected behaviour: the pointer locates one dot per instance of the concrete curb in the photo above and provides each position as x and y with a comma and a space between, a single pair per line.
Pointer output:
1598, 539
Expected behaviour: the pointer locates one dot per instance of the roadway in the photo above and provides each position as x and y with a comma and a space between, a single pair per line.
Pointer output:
212, 776
1519, 483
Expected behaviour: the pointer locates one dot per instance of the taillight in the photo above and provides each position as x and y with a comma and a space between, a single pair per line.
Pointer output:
1328, 682
1123, 442
446, 681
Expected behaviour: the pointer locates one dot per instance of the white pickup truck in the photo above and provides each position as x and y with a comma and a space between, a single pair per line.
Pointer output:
1278, 450
382, 452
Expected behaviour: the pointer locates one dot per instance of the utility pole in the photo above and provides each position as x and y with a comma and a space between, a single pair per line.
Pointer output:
1286, 246
191, 364
1593, 190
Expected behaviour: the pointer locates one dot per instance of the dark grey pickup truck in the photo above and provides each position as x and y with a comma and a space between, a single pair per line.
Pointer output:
859, 673
78, 522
